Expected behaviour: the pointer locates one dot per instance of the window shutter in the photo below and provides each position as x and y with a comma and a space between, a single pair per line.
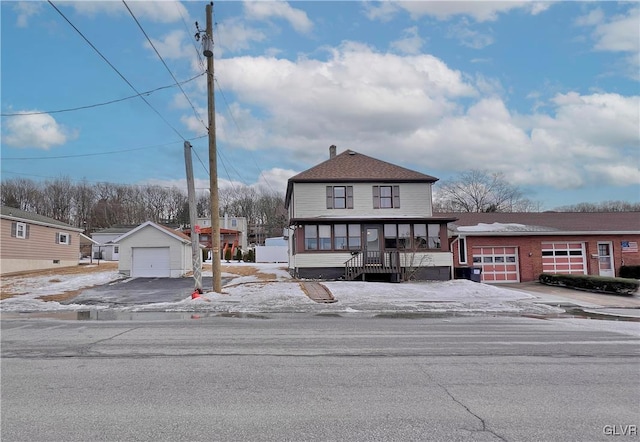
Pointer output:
57, 238
14, 228
69, 239
349, 197
376, 197
329, 197
26, 231
396, 197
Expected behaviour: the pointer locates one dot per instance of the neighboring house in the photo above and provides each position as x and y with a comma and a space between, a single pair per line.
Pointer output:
229, 225
106, 249
229, 238
35, 242
518, 247
356, 217
152, 250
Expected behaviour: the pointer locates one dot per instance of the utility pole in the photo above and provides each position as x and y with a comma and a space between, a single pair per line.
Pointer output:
196, 256
213, 161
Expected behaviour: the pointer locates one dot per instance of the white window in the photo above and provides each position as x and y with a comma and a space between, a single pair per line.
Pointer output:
21, 230
462, 250
63, 238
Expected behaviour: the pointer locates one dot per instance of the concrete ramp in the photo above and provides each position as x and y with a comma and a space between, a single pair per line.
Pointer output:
317, 292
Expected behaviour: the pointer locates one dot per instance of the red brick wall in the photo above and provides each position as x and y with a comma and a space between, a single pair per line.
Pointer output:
530, 251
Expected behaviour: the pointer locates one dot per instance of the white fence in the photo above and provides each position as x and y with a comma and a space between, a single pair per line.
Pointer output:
272, 254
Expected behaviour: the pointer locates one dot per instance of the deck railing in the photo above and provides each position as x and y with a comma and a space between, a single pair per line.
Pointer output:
366, 262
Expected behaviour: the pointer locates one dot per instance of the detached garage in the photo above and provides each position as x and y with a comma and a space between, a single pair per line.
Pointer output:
154, 251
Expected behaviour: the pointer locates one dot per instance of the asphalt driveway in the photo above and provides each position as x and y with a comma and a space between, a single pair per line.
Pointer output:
141, 291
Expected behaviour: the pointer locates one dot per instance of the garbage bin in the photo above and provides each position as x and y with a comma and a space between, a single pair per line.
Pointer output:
471, 273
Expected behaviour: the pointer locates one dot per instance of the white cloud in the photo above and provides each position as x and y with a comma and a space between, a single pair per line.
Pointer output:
620, 34
40, 131
275, 179
172, 46
409, 110
383, 11
26, 10
155, 11
478, 10
469, 37
264, 10
411, 43
238, 35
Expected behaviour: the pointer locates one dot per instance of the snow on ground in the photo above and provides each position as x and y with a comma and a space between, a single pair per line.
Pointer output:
280, 293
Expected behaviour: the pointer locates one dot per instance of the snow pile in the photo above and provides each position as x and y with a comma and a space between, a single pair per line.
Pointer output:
501, 227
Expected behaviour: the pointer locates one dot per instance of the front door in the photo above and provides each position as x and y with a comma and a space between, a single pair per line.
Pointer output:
373, 245
605, 259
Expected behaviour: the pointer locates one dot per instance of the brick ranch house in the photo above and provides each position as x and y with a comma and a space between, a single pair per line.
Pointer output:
356, 217
518, 247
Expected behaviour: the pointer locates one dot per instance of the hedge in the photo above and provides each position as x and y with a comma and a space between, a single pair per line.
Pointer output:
632, 272
602, 284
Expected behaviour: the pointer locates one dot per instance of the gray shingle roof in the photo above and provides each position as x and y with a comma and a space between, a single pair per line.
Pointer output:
33, 217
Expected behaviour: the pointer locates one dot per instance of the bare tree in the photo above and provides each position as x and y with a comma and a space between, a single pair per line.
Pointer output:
479, 191
604, 206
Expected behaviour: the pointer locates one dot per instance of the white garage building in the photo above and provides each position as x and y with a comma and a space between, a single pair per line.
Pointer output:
154, 251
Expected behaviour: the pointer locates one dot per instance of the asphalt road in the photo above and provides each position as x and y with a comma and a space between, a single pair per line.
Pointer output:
317, 378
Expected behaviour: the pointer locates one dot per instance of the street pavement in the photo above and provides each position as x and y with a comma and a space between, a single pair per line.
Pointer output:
304, 377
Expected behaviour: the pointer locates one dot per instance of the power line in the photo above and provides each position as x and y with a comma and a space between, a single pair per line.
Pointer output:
97, 153
165, 64
116, 70
100, 104
84, 180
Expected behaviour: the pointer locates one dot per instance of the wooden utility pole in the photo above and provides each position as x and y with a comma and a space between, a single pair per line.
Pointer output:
196, 256
213, 161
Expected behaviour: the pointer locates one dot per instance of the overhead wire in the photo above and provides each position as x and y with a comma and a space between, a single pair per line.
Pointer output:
98, 153
100, 104
116, 70
237, 125
165, 64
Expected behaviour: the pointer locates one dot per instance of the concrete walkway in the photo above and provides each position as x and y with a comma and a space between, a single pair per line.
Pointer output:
317, 292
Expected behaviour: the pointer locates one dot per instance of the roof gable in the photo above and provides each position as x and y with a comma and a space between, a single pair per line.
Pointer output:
166, 230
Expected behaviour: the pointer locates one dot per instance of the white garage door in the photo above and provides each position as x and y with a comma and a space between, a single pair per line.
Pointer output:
151, 262
499, 264
564, 257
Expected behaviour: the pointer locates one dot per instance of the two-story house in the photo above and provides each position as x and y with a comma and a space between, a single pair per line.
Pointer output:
356, 217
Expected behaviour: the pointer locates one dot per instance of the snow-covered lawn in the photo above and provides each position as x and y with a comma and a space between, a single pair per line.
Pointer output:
270, 288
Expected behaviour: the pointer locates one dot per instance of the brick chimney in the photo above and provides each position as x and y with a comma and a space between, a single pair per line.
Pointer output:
332, 151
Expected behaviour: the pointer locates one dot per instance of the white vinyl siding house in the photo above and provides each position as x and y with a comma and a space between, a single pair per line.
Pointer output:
354, 212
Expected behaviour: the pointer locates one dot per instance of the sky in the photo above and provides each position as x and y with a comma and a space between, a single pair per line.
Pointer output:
545, 93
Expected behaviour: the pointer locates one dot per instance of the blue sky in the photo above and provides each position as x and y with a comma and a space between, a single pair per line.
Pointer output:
546, 93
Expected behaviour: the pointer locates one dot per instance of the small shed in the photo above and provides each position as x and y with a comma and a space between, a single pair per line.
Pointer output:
154, 251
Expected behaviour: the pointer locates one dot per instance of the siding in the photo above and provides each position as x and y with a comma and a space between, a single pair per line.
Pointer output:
179, 253
39, 250
438, 259
309, 201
